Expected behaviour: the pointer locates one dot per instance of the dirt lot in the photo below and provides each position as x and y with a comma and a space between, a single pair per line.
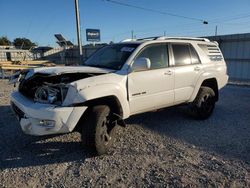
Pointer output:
157, 149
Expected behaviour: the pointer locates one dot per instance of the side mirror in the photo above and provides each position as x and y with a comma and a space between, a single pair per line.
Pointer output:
141, 64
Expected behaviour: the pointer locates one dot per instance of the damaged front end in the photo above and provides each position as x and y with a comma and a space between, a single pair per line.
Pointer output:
43, 101
51, 93
49, 89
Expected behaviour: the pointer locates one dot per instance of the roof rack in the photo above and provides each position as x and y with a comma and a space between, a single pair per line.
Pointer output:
128, 40
167, 38
184, 38
149, 38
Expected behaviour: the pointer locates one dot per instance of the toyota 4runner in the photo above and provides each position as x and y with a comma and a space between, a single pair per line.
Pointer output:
118, 81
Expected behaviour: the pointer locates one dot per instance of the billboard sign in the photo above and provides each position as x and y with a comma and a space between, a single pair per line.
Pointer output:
93, 35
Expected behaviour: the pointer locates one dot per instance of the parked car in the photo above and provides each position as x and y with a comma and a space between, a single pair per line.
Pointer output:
118, 81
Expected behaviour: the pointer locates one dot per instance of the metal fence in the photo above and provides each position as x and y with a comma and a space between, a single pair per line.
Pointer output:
15, 55
236, 51
69, 56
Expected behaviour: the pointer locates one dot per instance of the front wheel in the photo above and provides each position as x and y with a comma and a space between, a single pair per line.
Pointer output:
204, 103
98, 131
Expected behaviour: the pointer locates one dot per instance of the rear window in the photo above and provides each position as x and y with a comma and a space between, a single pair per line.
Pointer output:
212, 51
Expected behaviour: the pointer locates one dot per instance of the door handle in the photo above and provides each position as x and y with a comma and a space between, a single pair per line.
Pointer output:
197, 68
169, 72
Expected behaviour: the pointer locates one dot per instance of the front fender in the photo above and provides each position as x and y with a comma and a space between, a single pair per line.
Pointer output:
99, 91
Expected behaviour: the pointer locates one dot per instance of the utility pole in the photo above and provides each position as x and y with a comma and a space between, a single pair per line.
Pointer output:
132, 34
79, 40
216, 30
164, 33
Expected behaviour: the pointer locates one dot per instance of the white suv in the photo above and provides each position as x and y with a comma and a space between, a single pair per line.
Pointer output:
120, 80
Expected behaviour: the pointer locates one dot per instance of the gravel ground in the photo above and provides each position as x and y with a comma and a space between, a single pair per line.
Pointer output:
157, 149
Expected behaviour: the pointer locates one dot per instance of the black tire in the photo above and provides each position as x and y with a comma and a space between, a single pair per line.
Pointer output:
204, 103
98, 131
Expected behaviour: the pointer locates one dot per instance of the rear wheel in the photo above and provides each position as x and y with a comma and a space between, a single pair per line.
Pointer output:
98, 131
204, 103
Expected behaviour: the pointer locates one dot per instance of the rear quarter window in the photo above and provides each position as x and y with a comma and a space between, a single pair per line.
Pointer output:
212, 51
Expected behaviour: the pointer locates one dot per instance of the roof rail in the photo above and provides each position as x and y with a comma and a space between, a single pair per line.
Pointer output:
149, 38
183, 38
128, 40
140, 39
215, 42
167, 38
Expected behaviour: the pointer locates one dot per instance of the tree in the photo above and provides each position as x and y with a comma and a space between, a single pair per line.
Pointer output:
4, 41
23, 43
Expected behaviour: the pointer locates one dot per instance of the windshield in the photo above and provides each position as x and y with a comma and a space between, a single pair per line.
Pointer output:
112, 56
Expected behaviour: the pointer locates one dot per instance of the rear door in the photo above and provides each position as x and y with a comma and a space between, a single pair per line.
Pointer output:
153, 88
187, 68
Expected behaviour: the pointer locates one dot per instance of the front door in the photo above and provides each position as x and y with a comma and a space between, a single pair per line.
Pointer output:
153, 88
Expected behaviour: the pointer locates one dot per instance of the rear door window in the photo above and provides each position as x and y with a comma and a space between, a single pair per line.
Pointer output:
194, 56
181, 54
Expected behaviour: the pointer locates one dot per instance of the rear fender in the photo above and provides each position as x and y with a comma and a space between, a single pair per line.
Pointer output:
202, 78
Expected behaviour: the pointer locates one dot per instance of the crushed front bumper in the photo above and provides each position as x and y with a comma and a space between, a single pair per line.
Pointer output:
44, 119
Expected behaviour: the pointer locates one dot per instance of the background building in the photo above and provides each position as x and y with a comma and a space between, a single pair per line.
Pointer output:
236, 51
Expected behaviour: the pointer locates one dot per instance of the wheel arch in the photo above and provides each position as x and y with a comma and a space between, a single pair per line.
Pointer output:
213, 84
210, 82
112, 101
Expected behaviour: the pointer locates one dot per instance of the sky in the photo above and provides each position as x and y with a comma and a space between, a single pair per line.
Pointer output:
39, 20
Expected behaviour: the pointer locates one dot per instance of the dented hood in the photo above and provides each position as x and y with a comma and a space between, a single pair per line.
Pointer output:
69, 69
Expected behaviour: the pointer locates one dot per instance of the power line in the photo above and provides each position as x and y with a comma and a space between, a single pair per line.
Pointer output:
146, 30
229, 19
214, 21
155, 11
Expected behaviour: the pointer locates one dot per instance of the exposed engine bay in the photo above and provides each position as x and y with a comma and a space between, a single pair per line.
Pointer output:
49, 88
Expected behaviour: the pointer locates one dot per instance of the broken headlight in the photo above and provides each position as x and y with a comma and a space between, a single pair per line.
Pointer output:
51, 94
